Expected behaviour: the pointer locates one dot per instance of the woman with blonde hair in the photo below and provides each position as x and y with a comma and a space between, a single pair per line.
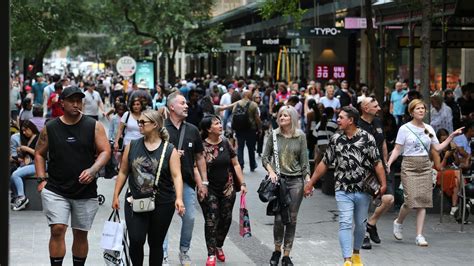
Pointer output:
294, 172
143, 158
414, 141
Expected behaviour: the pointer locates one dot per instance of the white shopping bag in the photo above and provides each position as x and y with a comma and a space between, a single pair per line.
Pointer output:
112, 234
118, 258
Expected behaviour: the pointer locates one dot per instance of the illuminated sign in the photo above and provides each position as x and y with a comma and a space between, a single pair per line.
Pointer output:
330, 71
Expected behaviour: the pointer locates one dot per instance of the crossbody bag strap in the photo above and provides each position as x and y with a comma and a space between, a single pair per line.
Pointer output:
159, 166
125, 124
419, 140
181, 135
275, 153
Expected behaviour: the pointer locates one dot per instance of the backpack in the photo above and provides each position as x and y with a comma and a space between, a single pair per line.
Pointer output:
240, 118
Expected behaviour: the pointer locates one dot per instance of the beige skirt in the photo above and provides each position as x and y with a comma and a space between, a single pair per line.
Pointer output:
417, 181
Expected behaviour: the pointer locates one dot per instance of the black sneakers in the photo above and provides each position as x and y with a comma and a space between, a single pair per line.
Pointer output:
20, 203
366, 244
286, 261
275, 258
374, 236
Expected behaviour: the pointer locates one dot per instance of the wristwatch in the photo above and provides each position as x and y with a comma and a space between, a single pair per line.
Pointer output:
41, 179
205, 183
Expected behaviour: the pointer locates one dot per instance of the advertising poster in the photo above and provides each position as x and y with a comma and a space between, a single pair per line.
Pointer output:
145, 71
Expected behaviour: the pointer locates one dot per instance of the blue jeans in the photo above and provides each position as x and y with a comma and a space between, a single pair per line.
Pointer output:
17, 177
353, 208
187, 225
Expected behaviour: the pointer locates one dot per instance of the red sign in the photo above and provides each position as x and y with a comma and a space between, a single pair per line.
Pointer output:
330, 72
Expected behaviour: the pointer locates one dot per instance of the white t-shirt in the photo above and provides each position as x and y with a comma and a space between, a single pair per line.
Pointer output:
132, 131
412, 145
334, 103
91, 103
226, 99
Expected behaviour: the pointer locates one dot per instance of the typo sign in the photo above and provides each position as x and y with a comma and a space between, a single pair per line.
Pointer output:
266, 42
315, 32
330, 71
325, 31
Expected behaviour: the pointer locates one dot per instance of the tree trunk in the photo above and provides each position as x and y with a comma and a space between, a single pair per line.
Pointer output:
38, 65
375, 78
425, 39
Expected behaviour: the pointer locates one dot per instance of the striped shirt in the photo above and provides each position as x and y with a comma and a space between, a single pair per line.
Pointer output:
324, 134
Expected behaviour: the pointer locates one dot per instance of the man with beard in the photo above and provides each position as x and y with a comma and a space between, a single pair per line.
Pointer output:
76, 147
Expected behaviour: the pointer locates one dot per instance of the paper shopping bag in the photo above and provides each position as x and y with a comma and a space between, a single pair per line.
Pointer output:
112, 234
244, 220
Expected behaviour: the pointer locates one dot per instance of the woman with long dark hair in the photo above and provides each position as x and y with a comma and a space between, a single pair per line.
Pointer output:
313, 117
140, 164
324, 130
222, 164
26, 152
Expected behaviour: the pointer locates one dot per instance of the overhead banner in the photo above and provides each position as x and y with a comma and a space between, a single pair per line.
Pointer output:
146, 71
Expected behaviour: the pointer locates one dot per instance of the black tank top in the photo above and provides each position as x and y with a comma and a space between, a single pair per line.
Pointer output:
142, 168
71, 151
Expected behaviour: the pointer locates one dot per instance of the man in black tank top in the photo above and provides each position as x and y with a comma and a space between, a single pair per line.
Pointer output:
76, 147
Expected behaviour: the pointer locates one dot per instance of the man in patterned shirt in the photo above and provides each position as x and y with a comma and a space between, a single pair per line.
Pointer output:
355, 155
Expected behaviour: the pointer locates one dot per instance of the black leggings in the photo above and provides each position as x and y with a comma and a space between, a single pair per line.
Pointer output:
217, 211
155, 224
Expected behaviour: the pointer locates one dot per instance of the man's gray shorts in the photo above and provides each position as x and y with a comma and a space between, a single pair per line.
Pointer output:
57, 209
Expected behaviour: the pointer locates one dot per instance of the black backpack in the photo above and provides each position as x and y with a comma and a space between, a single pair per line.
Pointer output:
240, 118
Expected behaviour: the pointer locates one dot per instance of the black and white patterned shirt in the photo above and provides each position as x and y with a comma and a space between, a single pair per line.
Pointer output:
354, 159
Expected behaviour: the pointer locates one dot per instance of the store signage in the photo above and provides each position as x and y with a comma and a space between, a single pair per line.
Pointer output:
357, 23
146, 71
330, 71
266, 42
126, 66
315, 32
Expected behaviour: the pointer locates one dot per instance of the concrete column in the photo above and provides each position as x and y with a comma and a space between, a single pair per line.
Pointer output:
467, 65
183, 62
364, 58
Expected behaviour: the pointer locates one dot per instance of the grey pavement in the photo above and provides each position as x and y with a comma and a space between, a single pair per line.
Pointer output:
316, 240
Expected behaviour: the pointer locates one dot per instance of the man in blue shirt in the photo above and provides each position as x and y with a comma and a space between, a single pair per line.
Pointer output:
397, 105
38, 89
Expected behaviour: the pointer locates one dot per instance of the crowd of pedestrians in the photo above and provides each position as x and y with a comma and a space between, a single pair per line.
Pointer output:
182, 143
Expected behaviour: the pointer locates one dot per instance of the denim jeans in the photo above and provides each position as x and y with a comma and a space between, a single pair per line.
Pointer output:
353, 208
187, 225
17, 177
246, 138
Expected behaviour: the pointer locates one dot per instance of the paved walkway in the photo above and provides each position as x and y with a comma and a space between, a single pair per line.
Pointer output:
316, 236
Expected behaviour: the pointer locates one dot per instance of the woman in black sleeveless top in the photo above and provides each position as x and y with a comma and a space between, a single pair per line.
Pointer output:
140, 163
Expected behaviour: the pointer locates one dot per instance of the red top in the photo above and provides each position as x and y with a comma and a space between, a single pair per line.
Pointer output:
55, 106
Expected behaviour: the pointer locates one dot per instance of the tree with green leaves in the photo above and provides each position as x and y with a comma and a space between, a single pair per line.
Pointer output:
286, 8
171, 24
38, 27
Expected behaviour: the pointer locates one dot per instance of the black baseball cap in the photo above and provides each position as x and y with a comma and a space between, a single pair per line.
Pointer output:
70, 91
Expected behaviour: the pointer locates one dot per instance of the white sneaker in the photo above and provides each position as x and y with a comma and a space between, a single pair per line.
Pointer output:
184, 258
421, 241
166, 261
397, 230
453, 210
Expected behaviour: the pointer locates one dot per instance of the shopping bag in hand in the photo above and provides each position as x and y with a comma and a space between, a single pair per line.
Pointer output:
114, 241
244, 218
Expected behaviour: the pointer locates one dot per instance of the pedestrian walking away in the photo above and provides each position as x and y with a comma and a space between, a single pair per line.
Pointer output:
152, 168
222, 165
414, 141
185, 137
355, 156
293, 164
373, 125
76, 148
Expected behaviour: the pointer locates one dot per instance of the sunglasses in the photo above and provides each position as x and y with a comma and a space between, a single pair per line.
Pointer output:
428, 133
143, 122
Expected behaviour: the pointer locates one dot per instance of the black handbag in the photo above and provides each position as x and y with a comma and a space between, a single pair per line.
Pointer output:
371, 185
267, 189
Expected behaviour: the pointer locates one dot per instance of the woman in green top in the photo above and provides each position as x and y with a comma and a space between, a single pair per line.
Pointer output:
294, 170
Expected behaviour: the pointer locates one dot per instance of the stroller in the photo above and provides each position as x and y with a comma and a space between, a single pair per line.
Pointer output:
108, 171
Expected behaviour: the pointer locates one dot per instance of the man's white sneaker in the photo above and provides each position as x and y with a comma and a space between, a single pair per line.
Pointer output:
453, 210
184, 258
166, 261
421, 241
397, 230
